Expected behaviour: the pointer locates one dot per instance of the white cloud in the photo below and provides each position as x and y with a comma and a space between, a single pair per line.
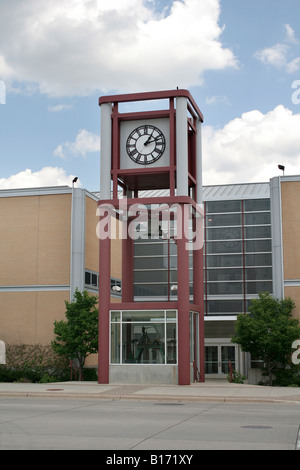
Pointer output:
290, 34
249, 148
59, 107
275, 55
216, 99
76, 47
48, 176
85, 142
294, 65
280, 55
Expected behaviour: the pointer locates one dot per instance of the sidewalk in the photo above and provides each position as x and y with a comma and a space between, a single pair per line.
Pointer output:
211, 390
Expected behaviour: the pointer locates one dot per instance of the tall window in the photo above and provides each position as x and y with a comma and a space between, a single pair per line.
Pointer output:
238, 254
143, 337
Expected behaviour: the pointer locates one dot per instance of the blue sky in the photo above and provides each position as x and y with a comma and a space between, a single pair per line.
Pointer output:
240, 59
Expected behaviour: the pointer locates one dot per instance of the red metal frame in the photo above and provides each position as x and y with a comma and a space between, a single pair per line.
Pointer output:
142, 178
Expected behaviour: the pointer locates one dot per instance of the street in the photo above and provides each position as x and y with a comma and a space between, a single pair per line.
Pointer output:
136, 425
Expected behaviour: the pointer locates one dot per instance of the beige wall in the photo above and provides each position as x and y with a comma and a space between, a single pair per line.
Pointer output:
28, 317
35, 240
34, 251
290, 197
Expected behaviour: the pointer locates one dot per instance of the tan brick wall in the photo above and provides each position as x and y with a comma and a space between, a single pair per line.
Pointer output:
290, 196
28, 317
294, 293
35, 240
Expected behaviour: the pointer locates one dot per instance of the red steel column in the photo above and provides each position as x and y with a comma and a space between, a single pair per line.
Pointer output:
199, 293
104, 306
127, 265
183, 298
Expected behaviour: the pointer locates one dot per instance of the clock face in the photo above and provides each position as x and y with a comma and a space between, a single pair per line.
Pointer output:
145, 144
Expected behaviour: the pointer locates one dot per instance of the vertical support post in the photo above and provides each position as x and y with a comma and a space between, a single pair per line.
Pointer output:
127, 265
199, 297
106, 149
183, 297
199, 196
181, 147
104, 305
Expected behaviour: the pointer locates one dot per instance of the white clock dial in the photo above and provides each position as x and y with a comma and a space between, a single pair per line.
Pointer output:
145, 144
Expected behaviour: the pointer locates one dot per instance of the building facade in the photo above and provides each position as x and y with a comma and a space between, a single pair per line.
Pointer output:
49, 247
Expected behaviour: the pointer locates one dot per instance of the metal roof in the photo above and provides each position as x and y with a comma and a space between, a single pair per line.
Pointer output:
236, 191
220, 192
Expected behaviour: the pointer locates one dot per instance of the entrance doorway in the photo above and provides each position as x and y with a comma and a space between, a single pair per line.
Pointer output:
217, 357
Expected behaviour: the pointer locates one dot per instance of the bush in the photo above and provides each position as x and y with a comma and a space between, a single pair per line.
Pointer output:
237, 378
287, 377
33, 375
38, 364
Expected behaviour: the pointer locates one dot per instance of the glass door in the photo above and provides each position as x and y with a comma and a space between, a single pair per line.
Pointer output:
217, 357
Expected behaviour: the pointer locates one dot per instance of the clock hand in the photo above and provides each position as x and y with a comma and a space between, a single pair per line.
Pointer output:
149, 141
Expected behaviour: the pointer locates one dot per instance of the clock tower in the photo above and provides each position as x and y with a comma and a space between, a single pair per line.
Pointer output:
151, 187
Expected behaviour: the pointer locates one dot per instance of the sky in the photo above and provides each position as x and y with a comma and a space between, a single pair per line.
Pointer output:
240, 59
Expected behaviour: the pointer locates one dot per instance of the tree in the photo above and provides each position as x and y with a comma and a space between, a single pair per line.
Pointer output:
77, 337
268, 331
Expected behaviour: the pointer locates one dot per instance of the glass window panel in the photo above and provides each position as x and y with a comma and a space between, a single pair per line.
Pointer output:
171, 343
224, 288
143, 343
256, 205
225, 306
171, 314
151, 276
173, 248
257, 287
224, 274
223, 206
115, 315
258, 232
87, 279
216, 261
151, 262
143, 315
227, 354
259, 218
258, 245
226, 233
94, 280
211, 359
151, 290
259, 274
223, 220
115, 343
258, 259
148, 249
224, 247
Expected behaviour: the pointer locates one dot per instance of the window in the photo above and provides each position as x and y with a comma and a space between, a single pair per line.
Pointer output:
237, 255
91, 279
115, 287
143, 337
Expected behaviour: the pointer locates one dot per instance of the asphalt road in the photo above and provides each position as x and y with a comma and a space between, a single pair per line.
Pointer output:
119, 425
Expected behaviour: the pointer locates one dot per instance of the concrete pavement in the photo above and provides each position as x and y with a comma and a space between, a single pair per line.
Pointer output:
211, 390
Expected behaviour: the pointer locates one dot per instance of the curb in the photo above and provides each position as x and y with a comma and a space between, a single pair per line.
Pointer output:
158, 398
